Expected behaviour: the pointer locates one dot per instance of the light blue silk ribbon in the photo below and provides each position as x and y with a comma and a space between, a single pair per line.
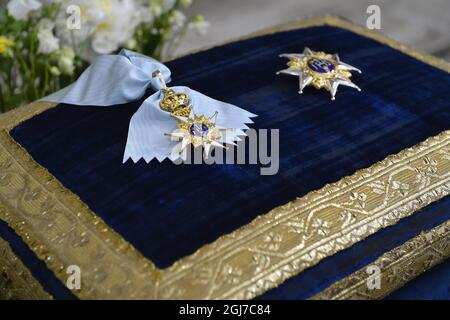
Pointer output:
118, 79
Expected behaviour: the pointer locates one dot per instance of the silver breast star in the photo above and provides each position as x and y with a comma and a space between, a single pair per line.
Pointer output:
320, 70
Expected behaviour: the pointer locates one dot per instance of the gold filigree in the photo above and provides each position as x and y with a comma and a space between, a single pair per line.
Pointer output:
311, 228
62, 230
320, 70
32, 200
16, 281
318, 78
198, 131
177, 104
397, 267
195, 130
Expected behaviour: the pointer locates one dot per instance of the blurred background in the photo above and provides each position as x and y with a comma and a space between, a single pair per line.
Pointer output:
424, 25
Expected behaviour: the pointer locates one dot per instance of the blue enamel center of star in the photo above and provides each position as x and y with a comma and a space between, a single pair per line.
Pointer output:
199, 129
320, 65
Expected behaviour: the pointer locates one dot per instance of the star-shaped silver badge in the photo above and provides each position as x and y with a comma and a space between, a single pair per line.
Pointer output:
320, 70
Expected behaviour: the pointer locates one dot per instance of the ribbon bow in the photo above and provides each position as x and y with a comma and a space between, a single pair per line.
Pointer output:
118, 79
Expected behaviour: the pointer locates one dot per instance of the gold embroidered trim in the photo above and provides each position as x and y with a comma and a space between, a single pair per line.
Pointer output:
397, 267
244, 264
16, 281
63, 231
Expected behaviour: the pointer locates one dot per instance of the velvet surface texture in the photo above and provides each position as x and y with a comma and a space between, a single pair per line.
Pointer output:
168, 211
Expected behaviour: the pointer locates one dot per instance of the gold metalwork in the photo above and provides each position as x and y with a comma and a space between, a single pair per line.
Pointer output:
16, 281
62, 230
319, 69
190, 128
397, 267
200, 131
318, 80
177, 104
159, 75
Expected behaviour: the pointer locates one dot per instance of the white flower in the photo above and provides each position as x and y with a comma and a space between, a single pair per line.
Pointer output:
49, 2
145, 14
199, 25
177, 20
66, 61
68, 52
116, 28
167, 4
131, 44
105, 26
66, 65
55, 71
45, 24
156, 9
74, 37
102, 44
186, 3
48, 43
20, 9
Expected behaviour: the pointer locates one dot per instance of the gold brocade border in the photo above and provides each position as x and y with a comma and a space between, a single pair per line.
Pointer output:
16, 281
63, 231
397, 267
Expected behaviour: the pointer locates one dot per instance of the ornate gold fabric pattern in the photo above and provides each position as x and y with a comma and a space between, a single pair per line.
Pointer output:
397, 267
296, 236
16, 116
243, 264
16, 281
253, 259
62, 230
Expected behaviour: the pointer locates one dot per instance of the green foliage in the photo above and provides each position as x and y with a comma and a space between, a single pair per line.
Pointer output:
27, 74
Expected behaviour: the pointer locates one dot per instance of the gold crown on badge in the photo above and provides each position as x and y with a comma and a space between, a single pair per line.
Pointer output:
192, 129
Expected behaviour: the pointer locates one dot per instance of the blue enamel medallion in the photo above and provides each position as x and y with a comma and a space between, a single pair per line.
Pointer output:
199, 129
320, 65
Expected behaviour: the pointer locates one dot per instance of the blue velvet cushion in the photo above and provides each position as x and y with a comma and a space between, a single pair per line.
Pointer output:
168, 211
